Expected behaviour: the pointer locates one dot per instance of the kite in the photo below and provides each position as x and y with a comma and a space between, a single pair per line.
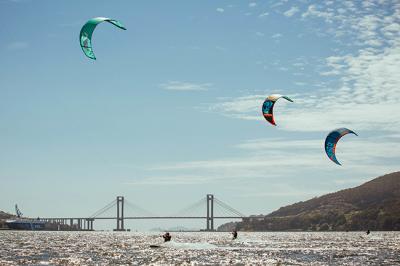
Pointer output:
331, 141
268, 105
85, 36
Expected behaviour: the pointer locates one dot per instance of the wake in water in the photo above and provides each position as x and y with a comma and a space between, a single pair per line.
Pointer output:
109, 248
187, 245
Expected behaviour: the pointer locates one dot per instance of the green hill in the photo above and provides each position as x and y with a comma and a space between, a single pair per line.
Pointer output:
374, 205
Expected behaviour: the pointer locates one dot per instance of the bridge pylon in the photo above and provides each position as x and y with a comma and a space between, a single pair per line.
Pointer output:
120, 214
210, 212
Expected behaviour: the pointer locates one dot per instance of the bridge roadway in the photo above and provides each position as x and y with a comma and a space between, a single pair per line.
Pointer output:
86, 223
142, 218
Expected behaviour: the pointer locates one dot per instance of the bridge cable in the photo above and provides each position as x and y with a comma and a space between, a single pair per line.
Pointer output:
227, 207
104, 209
220, 211
230, 210
191, 208
136, 208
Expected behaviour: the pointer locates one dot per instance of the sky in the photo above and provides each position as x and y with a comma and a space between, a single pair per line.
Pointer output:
171, 109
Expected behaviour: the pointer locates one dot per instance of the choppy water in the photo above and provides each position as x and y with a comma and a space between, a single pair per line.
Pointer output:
119, 248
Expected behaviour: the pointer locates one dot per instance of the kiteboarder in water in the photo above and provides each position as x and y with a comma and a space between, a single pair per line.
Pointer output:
234, 234
167, 237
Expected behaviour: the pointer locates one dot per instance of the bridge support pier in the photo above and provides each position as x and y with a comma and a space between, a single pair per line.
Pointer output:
120, 214
210, 212
89, 224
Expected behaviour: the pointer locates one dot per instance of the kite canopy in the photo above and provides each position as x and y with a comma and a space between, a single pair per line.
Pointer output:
331, 141
268, 106
85, 37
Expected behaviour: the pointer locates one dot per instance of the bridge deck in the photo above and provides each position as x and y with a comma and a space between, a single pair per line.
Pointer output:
142, 218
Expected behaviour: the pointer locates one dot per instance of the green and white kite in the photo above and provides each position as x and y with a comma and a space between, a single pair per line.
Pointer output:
85, 37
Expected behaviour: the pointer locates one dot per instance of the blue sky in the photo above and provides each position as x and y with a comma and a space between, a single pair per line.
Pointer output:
171, 108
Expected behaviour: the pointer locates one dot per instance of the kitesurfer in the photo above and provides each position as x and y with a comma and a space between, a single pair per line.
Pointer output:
167, 237
234, 234
368, 232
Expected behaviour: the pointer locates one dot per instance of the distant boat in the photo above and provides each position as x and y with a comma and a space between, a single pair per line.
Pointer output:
25, 224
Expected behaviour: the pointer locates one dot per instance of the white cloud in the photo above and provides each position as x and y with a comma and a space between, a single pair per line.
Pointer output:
170, 180
276, 36
18, 45
263, 15
220, 10
293, 10
277, 4
312, 11
260, 34
283, 190
253, 4
245, 107
220, 48
261, 144
185, 86
271, 159
363, 25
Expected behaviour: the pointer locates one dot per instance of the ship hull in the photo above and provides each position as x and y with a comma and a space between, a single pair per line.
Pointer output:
25, 225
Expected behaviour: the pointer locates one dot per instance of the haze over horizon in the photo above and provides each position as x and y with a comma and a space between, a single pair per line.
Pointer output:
171, 109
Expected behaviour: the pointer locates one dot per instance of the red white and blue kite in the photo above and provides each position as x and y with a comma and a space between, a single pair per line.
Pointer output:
268, 106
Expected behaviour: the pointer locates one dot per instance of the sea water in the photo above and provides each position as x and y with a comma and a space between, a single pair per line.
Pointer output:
199, 248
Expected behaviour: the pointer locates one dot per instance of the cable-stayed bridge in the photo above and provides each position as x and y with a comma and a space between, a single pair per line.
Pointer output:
208, 208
